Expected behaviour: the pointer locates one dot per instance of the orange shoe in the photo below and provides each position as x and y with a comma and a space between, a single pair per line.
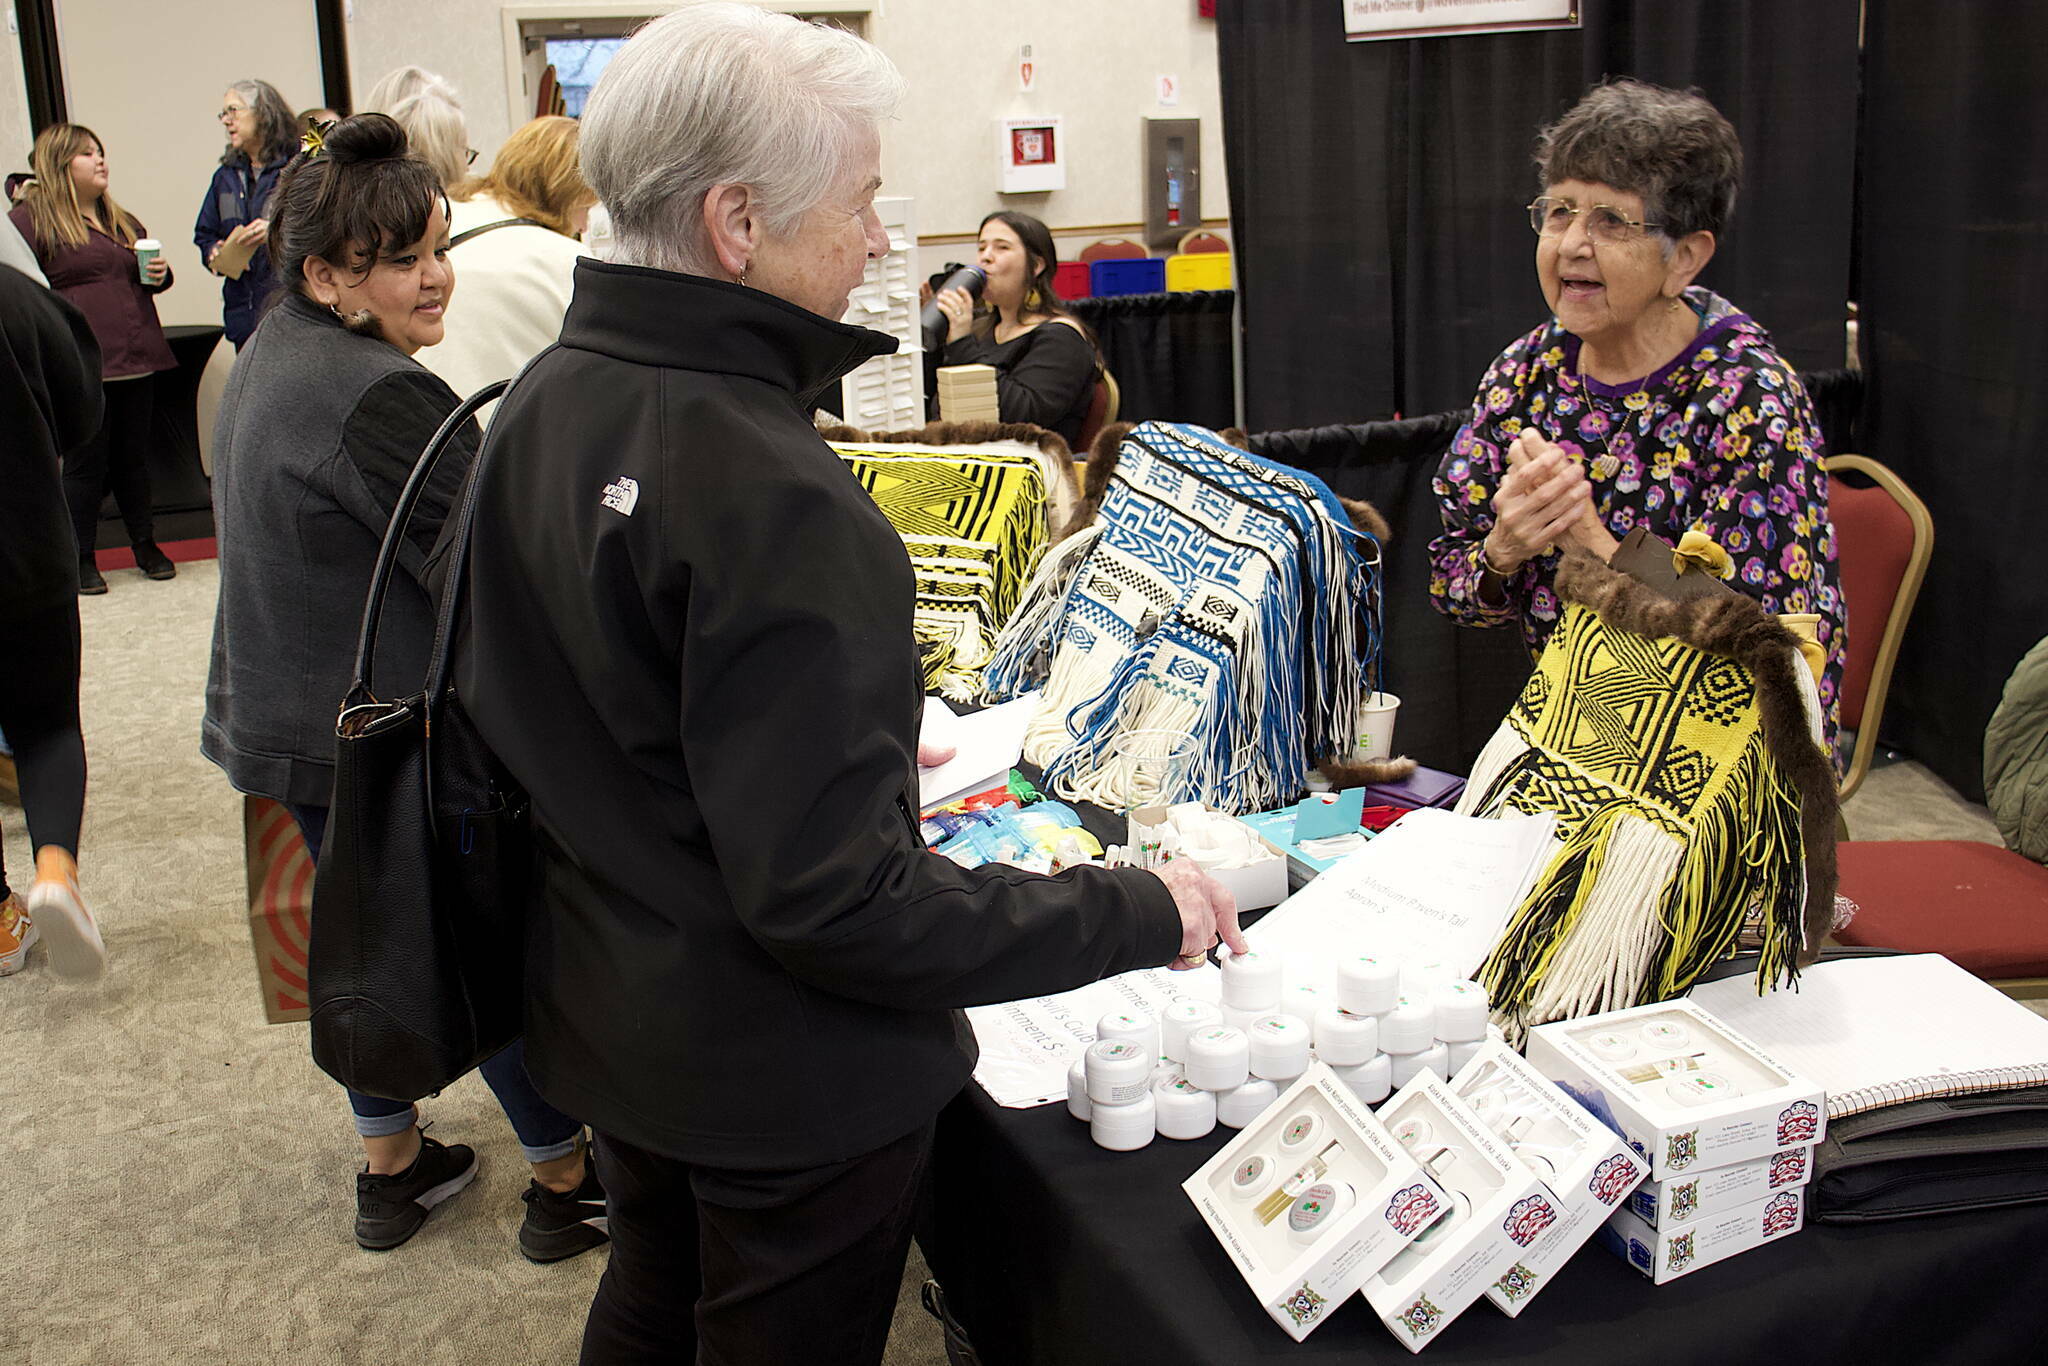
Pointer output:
18, 935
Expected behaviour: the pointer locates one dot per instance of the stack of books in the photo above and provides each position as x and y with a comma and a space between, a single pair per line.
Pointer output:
967, 393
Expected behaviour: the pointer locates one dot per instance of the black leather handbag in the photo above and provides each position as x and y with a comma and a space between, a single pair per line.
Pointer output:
416, 952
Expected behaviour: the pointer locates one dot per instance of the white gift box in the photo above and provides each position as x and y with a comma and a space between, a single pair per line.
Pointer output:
1687, 1092
1584, 1164
1665, 1254
1316, 1122
1662, 1204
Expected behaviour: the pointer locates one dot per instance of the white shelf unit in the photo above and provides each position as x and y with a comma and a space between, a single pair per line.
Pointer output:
887, 393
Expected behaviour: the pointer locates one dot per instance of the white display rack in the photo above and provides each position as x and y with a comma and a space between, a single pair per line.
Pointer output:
887, 393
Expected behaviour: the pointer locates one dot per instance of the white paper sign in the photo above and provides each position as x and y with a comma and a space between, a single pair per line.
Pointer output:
1364, 19
1028, 1046
1433, 887
1169, 92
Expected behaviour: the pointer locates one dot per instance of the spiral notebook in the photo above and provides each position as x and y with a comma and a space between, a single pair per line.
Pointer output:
1882, 1031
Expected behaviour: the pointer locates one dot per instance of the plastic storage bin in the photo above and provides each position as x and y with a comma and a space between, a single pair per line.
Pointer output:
1070, 280
1131, 275
1198, 270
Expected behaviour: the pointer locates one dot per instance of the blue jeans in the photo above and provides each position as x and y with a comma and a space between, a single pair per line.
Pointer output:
545, 1133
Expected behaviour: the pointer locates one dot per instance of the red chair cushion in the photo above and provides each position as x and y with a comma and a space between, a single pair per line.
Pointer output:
1873, 544
1981, 905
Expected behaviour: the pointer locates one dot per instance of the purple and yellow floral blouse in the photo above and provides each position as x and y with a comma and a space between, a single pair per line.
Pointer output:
1722, 440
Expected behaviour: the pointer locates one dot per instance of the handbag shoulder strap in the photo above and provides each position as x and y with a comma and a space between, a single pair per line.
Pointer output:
480, 229
463, 517
394, 536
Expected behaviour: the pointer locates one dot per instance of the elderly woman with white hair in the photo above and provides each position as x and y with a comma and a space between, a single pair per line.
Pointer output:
428, 108
689, 637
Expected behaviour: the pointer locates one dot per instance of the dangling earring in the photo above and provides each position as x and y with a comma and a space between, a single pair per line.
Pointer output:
335, 309
742, 281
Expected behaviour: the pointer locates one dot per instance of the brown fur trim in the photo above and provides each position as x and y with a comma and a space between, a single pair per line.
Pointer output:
1234, 436
1367, 518
1344, 773
1102, 458
1737, 628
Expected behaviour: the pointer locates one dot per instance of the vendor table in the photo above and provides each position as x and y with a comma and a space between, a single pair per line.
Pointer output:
1052, 1250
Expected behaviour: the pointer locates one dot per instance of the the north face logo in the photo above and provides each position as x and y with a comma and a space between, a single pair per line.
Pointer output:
622, 495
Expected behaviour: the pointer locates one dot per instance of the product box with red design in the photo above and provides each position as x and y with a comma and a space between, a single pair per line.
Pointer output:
1585, 1166
1687, 1092
1665, 1254
1498, 1210
1662, 1204
1311, 1198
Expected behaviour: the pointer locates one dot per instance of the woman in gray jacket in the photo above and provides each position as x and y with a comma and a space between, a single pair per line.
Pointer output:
322, 420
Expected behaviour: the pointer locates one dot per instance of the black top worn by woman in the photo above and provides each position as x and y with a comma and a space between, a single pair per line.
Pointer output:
50, 396
1045, 376
689, 636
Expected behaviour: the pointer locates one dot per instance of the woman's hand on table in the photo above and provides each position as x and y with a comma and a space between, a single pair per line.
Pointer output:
1208, 913
1544, 499
958, 306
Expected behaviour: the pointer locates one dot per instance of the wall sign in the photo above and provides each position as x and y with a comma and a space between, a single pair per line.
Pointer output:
1369, 19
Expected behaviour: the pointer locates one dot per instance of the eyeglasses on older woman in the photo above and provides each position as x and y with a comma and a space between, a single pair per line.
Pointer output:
1605, 224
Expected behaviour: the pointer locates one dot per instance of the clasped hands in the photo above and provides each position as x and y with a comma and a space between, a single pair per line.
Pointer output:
1544, 501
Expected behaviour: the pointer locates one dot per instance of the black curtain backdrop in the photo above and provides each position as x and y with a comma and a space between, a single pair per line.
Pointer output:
1170, 353
1954, 176
1376, 188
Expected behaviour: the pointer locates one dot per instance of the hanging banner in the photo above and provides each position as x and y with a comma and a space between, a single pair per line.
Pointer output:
1365, 20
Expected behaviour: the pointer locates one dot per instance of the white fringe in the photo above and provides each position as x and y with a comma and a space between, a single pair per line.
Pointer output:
1607, 954
1502, 749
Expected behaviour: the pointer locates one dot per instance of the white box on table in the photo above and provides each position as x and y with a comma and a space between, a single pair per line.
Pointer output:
1256, 886
1395, 1200
1584, 1165
1499, 1210
1685, 1090
1662, 1204
1665, 1254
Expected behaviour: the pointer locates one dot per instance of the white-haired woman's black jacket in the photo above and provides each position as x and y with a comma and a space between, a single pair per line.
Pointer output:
689, 635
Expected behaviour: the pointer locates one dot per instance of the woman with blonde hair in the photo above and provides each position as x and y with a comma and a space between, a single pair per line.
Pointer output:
514, 236
85, 244
427, 107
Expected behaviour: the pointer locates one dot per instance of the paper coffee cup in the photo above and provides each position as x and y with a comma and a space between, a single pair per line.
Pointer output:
147, 249
1376, 726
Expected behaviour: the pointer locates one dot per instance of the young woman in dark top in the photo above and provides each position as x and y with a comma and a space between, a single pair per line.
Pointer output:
1044, 374
322, 419
233, 227
85, 243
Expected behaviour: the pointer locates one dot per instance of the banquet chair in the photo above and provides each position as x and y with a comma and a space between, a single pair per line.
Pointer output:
1101, 412
1981, 905
1113, 249
1884, 537
1201, 239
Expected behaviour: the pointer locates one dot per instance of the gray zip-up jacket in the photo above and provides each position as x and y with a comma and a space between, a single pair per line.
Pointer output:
317, 433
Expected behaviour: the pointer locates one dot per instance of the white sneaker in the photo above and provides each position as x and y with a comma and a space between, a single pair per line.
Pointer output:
18, 934
69, 935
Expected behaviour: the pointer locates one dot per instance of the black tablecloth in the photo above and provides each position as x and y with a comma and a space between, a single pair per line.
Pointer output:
1052, 1250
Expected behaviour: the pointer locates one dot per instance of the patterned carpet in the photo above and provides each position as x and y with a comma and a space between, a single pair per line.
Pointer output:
178, 1173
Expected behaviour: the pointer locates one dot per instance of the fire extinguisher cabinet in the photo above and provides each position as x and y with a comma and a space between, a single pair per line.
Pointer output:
1173, 179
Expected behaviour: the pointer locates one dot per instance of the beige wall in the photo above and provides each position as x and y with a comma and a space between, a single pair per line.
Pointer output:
1097, 68
16, 136
152, 90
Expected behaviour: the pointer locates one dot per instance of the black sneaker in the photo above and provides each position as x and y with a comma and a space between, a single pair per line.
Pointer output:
151, 560
559, 1226
390, 1209
91, 583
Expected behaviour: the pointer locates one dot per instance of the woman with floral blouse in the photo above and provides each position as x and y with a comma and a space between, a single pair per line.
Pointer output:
1646, 400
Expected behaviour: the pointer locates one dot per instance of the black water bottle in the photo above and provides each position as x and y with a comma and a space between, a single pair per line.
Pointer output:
968, 278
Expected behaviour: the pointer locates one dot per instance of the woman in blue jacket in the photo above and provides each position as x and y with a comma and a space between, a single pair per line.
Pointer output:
234, 218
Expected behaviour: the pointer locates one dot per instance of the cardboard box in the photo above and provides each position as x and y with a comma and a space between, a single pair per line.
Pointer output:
1665, 1254
1393, 1201
1686, 1091
1499, 1211
1662, 1204
1256, 886
1584, 1165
